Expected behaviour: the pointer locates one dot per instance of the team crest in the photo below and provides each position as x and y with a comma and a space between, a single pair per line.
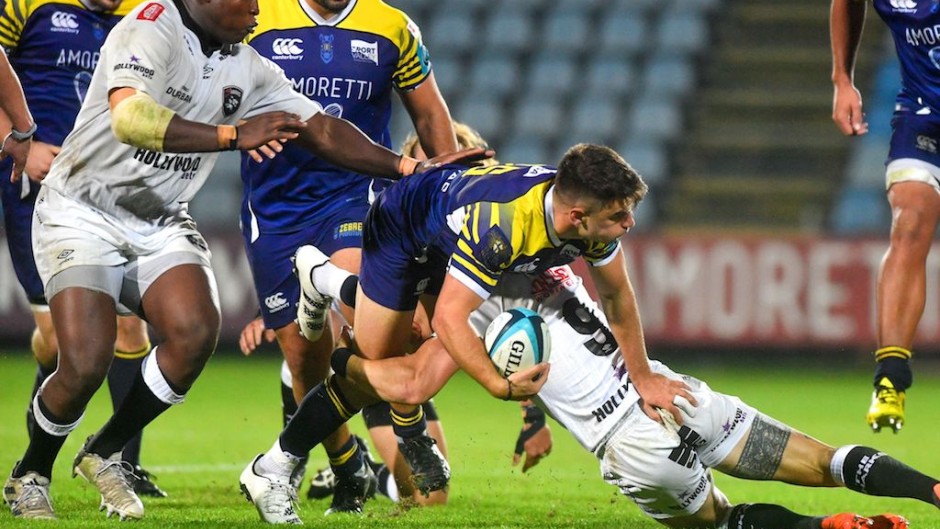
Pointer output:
326, 48
231, 99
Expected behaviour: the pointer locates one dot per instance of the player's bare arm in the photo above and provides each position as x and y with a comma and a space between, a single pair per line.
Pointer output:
619, 303
137, 119
20, 126
451, 322
846, 20
431, 118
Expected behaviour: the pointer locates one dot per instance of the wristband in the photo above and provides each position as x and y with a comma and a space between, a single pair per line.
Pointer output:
23, 136
508, 390
340, 359
407, 165
534, 418
227, 137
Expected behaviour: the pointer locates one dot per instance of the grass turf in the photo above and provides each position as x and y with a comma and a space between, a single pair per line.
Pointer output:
198, 449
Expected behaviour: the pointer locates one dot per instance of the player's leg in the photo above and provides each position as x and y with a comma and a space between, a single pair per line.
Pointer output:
131, 347
45, 348
395, 480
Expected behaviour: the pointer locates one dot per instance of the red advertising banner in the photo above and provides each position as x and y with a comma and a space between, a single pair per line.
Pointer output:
693, 291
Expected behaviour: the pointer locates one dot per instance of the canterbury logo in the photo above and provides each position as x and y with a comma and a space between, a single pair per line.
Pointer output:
287, 46
275, 302
64, 20
903, 4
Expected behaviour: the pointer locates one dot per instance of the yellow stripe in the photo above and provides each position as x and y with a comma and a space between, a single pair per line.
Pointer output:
475, 223
133, 355
892, 351
345, 456
473, 268
407, 421
337, 403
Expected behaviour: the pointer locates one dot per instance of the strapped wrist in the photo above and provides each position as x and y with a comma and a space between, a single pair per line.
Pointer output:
227, 137
407, 165
25, 135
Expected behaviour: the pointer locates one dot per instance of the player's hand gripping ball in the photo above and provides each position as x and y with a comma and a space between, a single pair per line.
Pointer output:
517, 339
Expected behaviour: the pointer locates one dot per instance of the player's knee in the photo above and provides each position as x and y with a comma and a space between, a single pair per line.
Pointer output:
435, 498
45, 347
81, 379
912, 227
194, 338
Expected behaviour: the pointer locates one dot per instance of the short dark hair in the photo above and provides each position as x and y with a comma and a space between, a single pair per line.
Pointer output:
598, 172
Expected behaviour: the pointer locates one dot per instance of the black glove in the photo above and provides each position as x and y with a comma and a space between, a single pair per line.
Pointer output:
535, 418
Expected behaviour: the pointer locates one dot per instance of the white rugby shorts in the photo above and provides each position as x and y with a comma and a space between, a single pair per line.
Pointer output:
77, 246
665, 471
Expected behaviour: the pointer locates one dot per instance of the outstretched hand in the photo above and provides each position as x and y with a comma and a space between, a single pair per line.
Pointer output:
270, 126
253, 335
468, 157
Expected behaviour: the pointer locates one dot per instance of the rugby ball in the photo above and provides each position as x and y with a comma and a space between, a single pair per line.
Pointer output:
517, 339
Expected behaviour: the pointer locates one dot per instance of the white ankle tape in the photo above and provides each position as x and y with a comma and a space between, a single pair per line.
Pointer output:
154, 379
838, 461
51, 428
286, 377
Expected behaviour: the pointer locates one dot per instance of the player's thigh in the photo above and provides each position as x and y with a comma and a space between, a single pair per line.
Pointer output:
384, 332
45, 346
278, 290
773, 450
714, 510
655, 468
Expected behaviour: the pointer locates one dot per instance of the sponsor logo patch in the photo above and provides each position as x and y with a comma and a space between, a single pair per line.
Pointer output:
151, 12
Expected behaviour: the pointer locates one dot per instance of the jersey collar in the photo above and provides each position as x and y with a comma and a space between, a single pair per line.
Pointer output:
549, 204
206, 42
332, 21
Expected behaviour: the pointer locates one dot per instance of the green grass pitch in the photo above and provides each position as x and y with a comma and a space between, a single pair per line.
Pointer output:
198, 449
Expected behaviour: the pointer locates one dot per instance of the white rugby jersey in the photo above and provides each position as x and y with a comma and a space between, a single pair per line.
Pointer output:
154, 51
587, 389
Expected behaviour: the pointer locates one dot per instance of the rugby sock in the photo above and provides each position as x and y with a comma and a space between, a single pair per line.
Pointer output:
895, 364
347, 459
42, 373
387, 485
347, 293
46, 439
321, 412
288, 402
335, 282
409, 424
277, 461
869, 471
150, 395
768, 516
124, 369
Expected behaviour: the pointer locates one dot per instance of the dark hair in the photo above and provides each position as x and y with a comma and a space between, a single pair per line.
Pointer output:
598, 172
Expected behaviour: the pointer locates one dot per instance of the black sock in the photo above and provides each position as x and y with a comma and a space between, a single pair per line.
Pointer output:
347, 460
139, 407
347, 292
768, 516
43, 447
124, 369
409, 424
869, 471
898, 371
288, 403
42, 373
322, 411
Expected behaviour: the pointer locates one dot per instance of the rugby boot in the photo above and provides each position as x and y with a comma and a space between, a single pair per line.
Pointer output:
430, 471
272, 494
313, 306
113, 479
887, 407
889, 521
28, 497
846, 520
352, 491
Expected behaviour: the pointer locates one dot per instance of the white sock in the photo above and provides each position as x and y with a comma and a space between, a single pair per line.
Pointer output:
392, 488
328, 279
277, 461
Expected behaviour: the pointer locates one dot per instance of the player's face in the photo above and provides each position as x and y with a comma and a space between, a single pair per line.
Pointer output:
608, 223
333, 6
228, 21
105, 5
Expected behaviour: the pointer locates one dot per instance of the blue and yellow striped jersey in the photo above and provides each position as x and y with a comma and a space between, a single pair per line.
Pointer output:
489, 220
53, 46
351, 65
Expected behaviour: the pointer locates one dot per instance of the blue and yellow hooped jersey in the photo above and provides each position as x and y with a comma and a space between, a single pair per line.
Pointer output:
915, 28
490, 220
351, 65
54, 47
